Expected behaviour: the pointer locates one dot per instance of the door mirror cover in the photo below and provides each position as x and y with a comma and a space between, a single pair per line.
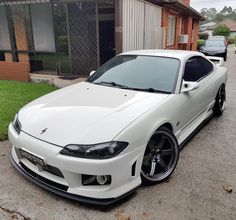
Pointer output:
189, 86
92, 72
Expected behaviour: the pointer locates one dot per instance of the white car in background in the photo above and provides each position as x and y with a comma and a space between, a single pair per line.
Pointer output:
98, 140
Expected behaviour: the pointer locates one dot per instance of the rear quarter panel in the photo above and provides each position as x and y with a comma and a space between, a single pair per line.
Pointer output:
219, 78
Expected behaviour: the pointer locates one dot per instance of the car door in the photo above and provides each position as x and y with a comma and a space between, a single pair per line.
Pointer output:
195, 102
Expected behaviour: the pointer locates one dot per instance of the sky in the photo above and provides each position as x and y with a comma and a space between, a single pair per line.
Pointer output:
217, 4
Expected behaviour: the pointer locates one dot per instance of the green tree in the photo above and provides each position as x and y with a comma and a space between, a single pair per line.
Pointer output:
226, 11
219, 17
209, 14
221, 30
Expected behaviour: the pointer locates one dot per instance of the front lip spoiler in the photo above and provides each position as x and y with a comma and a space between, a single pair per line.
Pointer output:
77, 198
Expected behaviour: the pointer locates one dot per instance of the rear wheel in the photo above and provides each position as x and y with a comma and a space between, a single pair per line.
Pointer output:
160, 158
225, 56
220, 101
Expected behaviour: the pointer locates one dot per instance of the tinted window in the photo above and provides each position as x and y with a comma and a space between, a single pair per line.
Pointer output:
140, 72
197, 68
215, 43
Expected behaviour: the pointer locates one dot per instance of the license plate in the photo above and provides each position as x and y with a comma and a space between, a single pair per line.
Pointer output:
31, 157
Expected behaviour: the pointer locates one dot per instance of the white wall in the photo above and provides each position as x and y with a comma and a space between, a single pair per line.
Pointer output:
141, 25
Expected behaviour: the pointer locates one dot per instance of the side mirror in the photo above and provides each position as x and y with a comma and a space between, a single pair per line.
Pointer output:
189, 86
92, 72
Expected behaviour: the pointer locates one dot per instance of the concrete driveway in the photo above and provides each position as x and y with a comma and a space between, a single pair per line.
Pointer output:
207, 165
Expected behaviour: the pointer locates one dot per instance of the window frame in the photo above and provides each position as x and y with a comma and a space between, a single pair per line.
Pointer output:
90, 78
205, 76
171, 30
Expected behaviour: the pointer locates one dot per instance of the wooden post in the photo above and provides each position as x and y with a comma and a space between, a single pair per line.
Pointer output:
189, 32
21, 36
195, 37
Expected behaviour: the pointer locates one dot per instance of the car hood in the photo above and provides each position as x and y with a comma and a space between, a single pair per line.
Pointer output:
85, 113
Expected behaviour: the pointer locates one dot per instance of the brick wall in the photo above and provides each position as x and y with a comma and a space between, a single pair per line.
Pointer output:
14, 71
184, 25
195, 37
186, 2
165, 14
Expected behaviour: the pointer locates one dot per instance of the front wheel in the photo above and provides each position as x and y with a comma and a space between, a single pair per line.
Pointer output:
160, 158
220, 101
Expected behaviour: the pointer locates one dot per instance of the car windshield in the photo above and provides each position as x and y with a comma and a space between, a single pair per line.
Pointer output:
215, 43
143, 73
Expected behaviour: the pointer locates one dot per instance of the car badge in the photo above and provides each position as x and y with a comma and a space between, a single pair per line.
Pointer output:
44, 131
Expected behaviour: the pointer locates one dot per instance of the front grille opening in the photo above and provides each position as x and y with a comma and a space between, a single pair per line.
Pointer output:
50, 169
88, 180
44, 180
17, 126
53, 170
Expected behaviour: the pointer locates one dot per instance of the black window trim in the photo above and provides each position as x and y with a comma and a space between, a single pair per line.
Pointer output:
144, 55
200, 78
205, 75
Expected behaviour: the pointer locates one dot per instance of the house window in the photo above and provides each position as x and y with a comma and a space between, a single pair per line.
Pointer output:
171, 30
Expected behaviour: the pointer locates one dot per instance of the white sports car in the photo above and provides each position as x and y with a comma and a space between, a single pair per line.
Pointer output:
98, 140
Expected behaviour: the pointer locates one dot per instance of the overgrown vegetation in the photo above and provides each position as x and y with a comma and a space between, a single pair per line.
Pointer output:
221, 30
232, 40
211, 14
13, 96
203, 36
200, 42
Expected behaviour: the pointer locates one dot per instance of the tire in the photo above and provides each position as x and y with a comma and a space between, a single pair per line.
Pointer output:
220, 101
160, 158
225, 56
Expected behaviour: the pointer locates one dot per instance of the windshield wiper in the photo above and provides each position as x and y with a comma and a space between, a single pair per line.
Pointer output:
151, 90
112, 84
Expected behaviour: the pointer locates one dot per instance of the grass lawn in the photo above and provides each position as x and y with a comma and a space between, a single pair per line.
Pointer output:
13, 96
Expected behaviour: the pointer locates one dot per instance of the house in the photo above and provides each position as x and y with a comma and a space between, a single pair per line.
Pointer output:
208, 28
231, 24
77, 36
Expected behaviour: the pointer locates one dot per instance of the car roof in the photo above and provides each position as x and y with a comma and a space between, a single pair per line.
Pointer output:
217, 37
179, 54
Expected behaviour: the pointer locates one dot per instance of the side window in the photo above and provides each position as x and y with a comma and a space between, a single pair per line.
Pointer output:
208, 66
197, 68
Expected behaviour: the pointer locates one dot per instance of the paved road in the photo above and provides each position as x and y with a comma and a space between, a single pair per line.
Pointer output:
194, 191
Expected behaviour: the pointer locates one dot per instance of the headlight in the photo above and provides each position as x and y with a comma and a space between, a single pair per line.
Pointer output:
17, 124
96, 151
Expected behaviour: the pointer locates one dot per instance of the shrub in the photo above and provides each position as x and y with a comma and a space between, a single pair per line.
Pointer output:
200, 42
221, 30
203, 36
232, 40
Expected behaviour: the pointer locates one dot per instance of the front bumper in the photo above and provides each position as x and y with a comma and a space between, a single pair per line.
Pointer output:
43, 183
216, 54
70, 185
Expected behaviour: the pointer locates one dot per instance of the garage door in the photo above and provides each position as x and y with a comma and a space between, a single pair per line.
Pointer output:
141, 25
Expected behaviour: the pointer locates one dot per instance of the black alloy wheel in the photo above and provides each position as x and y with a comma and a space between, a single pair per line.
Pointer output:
160, 158
220, 101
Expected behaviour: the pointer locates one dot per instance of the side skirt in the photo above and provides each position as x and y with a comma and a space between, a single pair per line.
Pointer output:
207, 120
